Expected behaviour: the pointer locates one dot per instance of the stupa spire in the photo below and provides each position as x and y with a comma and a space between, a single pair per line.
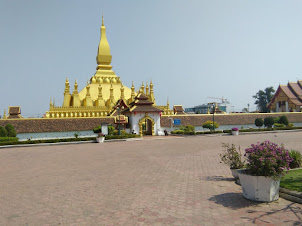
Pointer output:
104, 57
88, 100
152, 98
4, 114
147, 89
76, 102
100, 101
122, 91
67, 96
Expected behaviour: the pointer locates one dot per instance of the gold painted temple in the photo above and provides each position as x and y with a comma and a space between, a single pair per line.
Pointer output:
102, 91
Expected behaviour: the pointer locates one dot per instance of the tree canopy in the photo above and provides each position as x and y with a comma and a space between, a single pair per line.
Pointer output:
263, 97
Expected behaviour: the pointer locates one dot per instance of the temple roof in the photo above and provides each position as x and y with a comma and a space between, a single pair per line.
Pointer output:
141, 104
293, 91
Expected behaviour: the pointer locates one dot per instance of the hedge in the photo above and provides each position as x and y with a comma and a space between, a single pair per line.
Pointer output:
8, 139
125, 136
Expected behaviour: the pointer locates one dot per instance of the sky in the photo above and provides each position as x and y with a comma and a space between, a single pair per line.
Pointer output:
190, 49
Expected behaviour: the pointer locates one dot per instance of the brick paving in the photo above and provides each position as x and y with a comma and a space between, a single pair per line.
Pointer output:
172, 181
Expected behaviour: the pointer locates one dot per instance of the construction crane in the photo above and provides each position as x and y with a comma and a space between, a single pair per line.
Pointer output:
222, 99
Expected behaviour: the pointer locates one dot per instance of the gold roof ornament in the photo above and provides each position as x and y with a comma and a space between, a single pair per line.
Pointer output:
100, 101
4, 114
122, 91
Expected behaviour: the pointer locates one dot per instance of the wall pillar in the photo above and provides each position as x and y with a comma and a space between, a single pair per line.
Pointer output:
286, 107
277, 107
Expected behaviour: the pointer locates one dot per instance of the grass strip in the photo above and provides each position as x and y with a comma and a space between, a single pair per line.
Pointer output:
292, 180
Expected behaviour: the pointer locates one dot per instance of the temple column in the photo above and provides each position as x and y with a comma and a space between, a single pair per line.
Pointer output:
286, 107
277, 107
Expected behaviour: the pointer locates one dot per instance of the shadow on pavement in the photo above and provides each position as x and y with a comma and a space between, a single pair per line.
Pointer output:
219, 178
232, 200
297, 211
237, 201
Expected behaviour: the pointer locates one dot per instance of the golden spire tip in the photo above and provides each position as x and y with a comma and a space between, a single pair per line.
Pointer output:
102, 19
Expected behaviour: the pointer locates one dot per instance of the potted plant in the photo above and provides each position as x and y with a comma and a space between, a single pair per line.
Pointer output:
100, 138
266, 162
232, 157
235, 131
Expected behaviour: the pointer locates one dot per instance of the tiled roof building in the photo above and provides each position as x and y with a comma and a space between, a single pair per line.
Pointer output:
288, 98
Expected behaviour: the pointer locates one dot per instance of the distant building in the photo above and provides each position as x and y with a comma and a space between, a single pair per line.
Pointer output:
224, 106
288, 98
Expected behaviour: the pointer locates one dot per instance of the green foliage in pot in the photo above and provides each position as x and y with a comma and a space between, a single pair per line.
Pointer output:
267, 159
297, 159
231, 156
97, 129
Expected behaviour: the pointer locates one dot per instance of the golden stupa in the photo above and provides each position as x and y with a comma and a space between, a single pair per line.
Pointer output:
102, 92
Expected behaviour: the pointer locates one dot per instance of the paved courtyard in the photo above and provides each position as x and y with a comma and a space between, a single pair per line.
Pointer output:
169, 181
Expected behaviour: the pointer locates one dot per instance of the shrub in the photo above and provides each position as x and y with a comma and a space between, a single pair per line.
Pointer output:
110, 130
278, 125
259, 122
231, 156
297, 159
189, 128
76, 135
3, 132
8, 139
267, 159
112, 137
97, 129
269, 121
11, 132
123, 132
209, 125
178, 131
283, 120
290, 124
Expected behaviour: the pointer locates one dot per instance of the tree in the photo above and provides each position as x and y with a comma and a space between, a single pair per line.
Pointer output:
263, 98
259, 122
3, 132
245, 110
269, 121
209, 125
283, 119
11, 132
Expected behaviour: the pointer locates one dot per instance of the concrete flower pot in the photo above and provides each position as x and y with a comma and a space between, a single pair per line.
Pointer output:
235, 173
100, 139
235, 133
259, 188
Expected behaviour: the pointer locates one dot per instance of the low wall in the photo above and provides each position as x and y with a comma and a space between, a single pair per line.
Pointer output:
227, 119
41, 125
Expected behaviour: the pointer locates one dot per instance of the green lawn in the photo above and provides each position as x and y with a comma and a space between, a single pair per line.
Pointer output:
292, 180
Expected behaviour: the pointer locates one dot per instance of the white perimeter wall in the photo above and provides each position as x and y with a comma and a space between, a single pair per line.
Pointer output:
134, 120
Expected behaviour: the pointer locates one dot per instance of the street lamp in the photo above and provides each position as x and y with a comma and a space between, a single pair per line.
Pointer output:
119, 119
213, 113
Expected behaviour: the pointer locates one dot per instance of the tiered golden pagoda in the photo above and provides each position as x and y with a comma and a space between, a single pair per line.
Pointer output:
102, 92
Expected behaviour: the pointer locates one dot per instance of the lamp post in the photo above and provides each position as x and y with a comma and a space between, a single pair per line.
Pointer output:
119, 119
213, 114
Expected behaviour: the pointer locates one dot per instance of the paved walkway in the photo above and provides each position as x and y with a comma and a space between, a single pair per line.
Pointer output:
173, 181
